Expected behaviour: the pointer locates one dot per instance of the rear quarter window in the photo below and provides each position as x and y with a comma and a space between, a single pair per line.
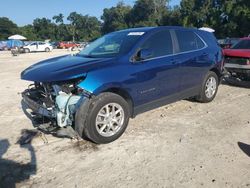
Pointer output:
188, 41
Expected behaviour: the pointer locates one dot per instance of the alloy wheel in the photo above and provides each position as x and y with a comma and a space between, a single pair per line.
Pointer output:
109, 119
211, 86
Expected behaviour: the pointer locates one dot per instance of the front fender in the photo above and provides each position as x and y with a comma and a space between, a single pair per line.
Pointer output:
96, 83
94, 87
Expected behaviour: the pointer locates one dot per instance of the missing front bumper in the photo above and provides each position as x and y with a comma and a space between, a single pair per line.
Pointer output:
36, 107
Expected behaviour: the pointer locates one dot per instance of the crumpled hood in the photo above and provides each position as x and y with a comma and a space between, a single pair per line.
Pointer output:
237, 52
62, 68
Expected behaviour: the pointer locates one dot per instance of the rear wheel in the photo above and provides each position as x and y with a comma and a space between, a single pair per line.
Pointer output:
209, 88
106, 120
47, 49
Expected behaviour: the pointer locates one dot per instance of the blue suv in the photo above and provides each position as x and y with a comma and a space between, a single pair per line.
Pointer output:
122, 74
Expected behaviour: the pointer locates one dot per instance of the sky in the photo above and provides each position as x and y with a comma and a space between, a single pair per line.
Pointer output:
23, 12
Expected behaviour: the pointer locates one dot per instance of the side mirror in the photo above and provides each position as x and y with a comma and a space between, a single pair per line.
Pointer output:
144, 54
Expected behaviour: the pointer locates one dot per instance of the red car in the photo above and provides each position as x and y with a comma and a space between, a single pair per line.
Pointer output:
66, 45
237, 59
228, 42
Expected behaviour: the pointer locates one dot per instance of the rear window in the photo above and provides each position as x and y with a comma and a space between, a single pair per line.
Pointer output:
188, 41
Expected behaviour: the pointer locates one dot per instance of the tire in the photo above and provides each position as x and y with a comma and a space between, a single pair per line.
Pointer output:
47, 49
207, 95
26, 50
97, 108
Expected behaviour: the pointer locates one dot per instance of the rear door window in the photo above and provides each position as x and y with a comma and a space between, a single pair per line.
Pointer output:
159, 43
188, 41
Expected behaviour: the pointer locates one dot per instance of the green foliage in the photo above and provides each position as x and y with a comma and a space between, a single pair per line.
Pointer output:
7, 28
229, 18
28, 31
58, 18
115, 18
83, 28
44, 28
148, 12
172, 17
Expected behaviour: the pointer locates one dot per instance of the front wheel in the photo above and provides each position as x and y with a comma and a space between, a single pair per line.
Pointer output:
209, 88
26, 50
106, 120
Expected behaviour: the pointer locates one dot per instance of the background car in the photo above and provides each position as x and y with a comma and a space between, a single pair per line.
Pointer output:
66, 45
38, 47
54, 44
228, 42
237, 59
3, 45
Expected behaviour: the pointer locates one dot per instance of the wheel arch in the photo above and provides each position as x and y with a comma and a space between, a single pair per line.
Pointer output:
124, 94
217, 72
26, 48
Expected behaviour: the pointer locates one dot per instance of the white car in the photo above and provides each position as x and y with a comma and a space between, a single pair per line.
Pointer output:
38, 47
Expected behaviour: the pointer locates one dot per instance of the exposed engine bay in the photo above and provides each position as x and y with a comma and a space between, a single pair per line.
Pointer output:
56, 101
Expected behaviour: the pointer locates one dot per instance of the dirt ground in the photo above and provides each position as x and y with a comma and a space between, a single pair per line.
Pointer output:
185, 144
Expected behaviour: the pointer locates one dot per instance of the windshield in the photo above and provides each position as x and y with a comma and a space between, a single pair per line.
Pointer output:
112, 45
243, 44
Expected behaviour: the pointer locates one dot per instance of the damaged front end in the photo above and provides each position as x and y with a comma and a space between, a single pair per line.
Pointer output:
57, 101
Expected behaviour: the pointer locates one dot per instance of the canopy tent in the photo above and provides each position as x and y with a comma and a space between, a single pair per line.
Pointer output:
17, 37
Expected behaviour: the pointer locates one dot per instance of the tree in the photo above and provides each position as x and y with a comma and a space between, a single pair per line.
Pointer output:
83, 27
236, 16
58, 18
115, 18
74, 19
61, 30
29, 32
229, 18
7, 28
172, 17
92, 28
44, 28
148, 12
